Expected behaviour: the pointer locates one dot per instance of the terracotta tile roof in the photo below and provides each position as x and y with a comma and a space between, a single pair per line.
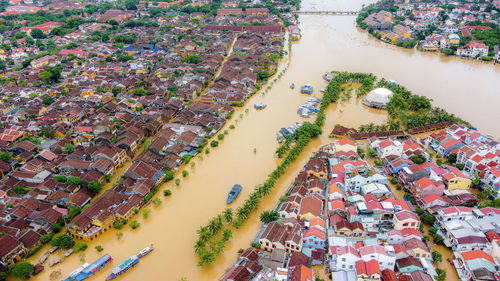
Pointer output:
7, 244
477, 254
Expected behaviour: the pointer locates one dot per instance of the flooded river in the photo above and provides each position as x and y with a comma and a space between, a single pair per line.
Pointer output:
328, 43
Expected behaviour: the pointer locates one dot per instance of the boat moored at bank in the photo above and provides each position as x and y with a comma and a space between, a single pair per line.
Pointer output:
306, 89
123, 267
88, 270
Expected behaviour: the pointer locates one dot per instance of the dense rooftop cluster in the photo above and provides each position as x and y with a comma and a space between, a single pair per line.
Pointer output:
462, 28
135, 87
344, 213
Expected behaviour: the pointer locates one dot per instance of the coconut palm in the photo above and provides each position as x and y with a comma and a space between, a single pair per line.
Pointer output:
199, 246
204, 233
228, 215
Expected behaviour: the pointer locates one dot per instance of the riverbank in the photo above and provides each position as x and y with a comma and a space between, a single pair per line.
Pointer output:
429, 28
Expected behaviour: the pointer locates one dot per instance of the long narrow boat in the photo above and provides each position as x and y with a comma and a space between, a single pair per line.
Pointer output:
233, 193
123, 267
88, 270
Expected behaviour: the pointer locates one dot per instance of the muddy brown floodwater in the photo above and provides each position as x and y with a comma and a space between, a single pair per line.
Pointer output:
469, 89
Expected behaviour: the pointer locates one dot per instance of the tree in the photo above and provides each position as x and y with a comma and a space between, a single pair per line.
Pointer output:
437, 256
73, 180
80, 247
418, 159
167, 192
47, 132
37, 33
63, 241
476, 182
228, 215
268, 216
134, 224
17, 189
194, 59
441, 274
214, 143
169, 175
433, 230
227, 234
5, 155
68, 148
452, 158
372, 153
438, 239
23, 270
427, 218
46, 100
95, 187
99, 248
131, 4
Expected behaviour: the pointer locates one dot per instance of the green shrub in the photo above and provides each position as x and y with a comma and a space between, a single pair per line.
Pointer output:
167, 192
63, 241
99, 248
80, 247
134, 224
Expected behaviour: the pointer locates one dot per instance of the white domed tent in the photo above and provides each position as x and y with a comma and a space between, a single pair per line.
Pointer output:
378, 98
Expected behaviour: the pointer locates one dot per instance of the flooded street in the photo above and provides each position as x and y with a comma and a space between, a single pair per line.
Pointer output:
328, 43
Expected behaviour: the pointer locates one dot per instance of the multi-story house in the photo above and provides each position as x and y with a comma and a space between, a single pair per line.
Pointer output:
347, 256
385, 256
425, 187
281, 236
406, 219
412, 173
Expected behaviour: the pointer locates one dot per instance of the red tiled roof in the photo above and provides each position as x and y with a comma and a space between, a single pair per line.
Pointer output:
477, 254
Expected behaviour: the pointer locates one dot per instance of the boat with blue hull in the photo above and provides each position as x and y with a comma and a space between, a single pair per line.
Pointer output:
123, 267
233, 193
259, 106
87, 270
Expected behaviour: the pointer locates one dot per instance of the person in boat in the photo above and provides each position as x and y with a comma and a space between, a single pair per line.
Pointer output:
254, 150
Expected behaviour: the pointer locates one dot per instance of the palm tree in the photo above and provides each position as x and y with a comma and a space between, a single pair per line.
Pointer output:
228, 215
204, 233
198, 246
212, 226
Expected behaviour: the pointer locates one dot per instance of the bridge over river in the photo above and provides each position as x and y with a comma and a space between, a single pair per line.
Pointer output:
325, 12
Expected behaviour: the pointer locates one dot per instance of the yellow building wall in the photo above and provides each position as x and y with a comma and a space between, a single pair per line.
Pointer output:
458, 183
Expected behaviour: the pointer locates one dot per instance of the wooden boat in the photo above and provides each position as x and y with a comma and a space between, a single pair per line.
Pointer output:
43, 258
235, 191
54, 262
